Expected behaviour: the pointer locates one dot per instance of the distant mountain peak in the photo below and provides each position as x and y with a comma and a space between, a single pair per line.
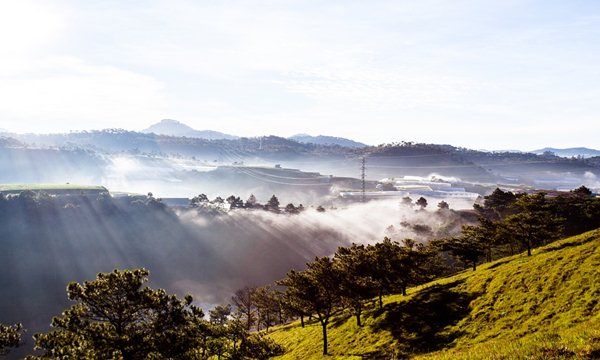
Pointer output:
173, 127
170, 121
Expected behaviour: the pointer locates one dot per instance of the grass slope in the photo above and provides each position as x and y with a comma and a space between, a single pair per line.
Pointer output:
540, 307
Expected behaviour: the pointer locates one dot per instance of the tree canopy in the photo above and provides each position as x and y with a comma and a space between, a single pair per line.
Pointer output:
116, 316
10, 337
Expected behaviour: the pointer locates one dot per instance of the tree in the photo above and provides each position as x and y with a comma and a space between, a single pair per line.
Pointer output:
291, 209
218, 201
235, 202
421, 202
442, 205
257, 347
357, 286
497, 205
316, 290
390, 267
244, 303
424, 263
273, 203
251, 202
10, 337
199, 200
115, 316
293, 307
489, 234
582, 191
220, 314
535, 223
468, 246
267, 306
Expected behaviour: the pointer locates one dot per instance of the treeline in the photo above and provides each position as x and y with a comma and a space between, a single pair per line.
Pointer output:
218, 204
355, 275
510, 223
39, 203
116, 316
347, 281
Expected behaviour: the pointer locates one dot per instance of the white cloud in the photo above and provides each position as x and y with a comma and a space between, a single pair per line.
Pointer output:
67, 93
346, 68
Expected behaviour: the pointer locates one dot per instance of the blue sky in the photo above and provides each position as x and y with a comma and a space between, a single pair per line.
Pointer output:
481, 74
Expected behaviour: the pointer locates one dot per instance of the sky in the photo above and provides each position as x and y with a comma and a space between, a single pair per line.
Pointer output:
479, 74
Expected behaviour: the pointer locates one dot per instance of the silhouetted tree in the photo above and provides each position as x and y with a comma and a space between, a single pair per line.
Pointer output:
199, 200
273, 204
582, 191
10, 337
267, 306
244, 303
291, 209
116, 316
442, 205
421, 202
316, 290
251, 202
235, 202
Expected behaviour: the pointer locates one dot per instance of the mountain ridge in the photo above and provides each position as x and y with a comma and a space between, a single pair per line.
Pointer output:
569, 152
327, 140
172, 127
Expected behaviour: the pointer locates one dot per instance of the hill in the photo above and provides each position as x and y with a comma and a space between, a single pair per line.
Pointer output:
327, 140
541, 307
383, 161
570, 152
176, 128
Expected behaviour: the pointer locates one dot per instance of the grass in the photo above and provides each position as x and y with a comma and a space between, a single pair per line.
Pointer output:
540, 307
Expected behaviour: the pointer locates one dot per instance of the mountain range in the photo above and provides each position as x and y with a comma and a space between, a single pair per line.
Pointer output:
175, 128
569, 152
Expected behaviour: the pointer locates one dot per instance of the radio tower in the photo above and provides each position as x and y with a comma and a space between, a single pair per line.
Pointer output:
362, 177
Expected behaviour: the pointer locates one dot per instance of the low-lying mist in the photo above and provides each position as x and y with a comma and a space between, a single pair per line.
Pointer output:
47, 242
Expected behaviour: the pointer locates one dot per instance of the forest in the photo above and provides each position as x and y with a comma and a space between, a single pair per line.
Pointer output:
116, 314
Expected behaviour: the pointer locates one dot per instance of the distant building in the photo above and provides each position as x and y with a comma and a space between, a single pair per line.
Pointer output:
416, 186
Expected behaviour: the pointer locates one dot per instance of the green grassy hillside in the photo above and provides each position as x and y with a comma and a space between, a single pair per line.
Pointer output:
540, 307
